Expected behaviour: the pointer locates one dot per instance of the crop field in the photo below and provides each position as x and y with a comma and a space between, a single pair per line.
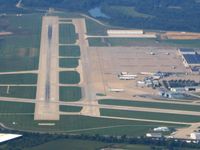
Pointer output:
67, 34
16, 107
149, 115
68, 62
70, 108
29, 78
18, 91
73, 51
70, 94
69, 77
150, 104
83, 124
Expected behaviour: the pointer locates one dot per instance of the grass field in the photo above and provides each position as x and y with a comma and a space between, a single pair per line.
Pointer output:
16, 107
28, 78
94, 28
99, 42
69, 77
150, 104
83, 124
18, 91
182, 43
68, 62
73, 51
70, 108
67, 34
149, 115
20, 51
70, 94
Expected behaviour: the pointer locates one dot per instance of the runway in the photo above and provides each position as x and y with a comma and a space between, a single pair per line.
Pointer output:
47, 95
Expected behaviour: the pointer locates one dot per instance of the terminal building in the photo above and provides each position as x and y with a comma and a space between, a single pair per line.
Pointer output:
191, 58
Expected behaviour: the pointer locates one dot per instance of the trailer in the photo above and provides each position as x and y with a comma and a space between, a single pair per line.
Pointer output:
126, 77
116, 90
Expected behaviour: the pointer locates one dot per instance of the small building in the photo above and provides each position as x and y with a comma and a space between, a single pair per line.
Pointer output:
161, 129
195, 135
192, 88
154, 135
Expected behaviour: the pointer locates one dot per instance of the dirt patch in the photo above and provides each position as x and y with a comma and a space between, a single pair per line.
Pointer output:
180, 35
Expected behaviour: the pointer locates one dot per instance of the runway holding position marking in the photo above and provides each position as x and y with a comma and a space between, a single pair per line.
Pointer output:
47, 97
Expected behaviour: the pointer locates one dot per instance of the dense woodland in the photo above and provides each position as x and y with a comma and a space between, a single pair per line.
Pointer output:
181, 15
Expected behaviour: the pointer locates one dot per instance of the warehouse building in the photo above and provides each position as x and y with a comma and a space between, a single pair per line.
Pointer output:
191, 58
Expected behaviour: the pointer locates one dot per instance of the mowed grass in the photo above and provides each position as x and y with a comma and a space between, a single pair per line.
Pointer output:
101, 42
68, 62
67, 34
94, 28
150, 104
28, 92
72, 51
20, 51
149, 115
28, 78
70, 108
16, 107
182, 43
82, 124
70, 94
69, 77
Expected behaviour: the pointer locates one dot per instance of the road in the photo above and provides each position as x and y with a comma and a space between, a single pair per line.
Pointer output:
19, 72
47, 95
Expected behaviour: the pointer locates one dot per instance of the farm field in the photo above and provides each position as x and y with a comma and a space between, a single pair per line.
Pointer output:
28, 78
69, 77
67, 34
68, 62
68, 93
150, 104
18, 91
70, 108
149, 115
73, 51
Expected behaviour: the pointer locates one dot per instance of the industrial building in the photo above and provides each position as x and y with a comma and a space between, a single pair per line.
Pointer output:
191, 58
195, 135
119, 32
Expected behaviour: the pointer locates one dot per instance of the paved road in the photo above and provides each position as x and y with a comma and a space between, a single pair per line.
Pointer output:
19, 72
47, 95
